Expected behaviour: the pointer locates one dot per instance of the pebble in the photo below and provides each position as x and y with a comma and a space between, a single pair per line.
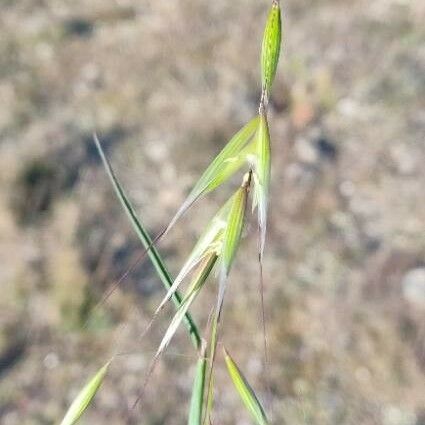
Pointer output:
413, 285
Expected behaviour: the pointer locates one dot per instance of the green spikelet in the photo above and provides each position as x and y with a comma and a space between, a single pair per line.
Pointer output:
245, 391
85, 397
271, 47
262, 177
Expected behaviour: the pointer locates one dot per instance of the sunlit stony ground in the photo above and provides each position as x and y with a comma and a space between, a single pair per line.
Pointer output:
165, 84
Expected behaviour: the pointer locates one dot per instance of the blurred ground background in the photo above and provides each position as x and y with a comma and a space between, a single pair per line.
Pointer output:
165, 83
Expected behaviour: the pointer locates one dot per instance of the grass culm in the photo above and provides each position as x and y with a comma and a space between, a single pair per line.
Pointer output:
247, 153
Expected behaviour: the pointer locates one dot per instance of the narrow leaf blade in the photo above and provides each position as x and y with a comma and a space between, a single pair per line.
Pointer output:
146, 240
245, 391
85, 397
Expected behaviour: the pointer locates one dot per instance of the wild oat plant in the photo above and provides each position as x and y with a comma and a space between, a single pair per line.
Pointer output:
213, 254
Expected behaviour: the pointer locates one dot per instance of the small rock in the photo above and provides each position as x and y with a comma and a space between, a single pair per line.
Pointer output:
413, 285
326, 148
305, 151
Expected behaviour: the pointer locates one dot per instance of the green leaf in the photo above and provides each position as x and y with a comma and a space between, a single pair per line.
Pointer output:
245, 391
225, 164
271, 47
196, 403
262, 177
146, 240
84, 397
